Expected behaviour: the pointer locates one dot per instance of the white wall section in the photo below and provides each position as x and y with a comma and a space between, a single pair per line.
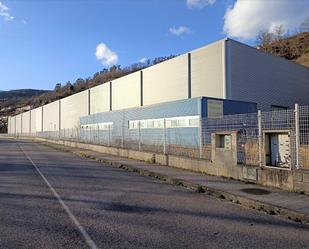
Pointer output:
9, 125
38, 119
72, 108
33, 121
13, 125
51, 116
100, 98
166, 81
126, 91
18, 124
26, 122
207, 71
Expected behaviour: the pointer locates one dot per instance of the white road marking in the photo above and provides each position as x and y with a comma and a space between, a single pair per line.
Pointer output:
86, 236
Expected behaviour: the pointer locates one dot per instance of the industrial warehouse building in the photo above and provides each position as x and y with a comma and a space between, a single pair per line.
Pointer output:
233, 78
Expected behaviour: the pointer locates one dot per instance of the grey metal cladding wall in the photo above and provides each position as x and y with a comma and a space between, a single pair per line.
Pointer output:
166, 81
268, 80
38, 119
26, 122
231, 107
72, 108
126, 91
186, 107
100, 98
51, 117
207, 71
121, 119
18, 124
33, 121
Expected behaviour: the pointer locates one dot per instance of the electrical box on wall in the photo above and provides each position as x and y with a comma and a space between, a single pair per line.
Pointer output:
224, 147
277, 149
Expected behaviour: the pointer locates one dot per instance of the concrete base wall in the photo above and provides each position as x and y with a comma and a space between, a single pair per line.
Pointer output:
296, 180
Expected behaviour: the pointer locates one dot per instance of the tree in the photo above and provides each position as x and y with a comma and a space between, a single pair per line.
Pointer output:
304, 27
57, 87
265, 38
279, 33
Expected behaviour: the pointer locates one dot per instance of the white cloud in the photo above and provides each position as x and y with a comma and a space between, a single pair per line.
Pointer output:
199, 3
181, 30
4, 13
106, 55
143, 60
245, 19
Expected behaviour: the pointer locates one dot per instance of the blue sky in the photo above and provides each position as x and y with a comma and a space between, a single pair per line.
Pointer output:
45, 42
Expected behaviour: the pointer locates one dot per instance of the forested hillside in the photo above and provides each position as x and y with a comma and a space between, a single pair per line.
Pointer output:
295, 47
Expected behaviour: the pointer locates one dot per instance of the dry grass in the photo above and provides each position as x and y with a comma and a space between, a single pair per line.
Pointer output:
304, 156
251, 153
303, 60
294, 48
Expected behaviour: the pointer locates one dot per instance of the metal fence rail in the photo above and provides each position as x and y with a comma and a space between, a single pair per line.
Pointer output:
254, 131
283, 120
304, 136
246, 125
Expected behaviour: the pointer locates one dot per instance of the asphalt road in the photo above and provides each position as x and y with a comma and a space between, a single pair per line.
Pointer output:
53, 199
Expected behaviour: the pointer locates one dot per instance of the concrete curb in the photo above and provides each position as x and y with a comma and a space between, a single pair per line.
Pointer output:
244, 201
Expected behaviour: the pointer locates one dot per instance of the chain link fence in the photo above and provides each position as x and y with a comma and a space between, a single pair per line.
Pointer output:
257, 134
304, 136
246, 126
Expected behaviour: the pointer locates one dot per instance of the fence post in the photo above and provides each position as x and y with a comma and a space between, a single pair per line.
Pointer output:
164, 136
139, 136
109, 135
260, 136
122, 135
201, 137
90, 138
98, 134
297, 134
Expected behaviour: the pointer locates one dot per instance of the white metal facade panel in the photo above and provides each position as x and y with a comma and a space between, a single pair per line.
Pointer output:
51, 117
100, 98
9, 125
207, 71
33, 121
26, 123
72, 108
166, 81
13, 123
18, 124
259, 77
126, 91
38, 119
